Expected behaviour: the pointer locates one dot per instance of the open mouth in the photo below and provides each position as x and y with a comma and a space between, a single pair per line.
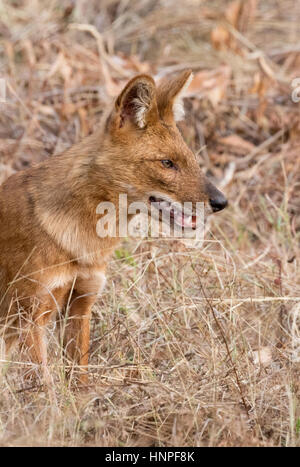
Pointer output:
174, 212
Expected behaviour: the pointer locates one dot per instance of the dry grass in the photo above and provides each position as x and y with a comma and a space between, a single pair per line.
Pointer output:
189, 347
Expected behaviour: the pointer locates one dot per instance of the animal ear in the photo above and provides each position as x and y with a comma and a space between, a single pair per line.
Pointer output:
136, 105
170, 94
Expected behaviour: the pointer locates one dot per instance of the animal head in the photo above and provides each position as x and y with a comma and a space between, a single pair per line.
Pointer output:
150, 159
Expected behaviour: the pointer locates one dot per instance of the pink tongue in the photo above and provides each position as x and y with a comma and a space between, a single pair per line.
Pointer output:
182, 221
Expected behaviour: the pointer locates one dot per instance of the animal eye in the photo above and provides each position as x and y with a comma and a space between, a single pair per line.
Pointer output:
168, 164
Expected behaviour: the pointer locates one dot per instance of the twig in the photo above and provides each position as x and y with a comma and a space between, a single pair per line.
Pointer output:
252, 300
225, 342
245, 160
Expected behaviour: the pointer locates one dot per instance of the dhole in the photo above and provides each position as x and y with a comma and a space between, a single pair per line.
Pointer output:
50, 253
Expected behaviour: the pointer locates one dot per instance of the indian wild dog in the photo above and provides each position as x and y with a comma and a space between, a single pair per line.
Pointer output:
50, 252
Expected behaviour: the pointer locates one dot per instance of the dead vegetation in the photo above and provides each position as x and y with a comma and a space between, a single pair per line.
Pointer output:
190, 347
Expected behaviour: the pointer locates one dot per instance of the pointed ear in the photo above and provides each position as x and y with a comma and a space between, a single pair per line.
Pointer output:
136, 105
170, 96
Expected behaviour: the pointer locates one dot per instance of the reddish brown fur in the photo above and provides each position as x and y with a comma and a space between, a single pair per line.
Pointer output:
48, 240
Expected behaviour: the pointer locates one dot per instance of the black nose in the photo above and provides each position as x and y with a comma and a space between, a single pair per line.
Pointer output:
216, 199
218, 203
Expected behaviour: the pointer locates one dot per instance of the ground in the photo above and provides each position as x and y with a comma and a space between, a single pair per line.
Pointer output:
190, 347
